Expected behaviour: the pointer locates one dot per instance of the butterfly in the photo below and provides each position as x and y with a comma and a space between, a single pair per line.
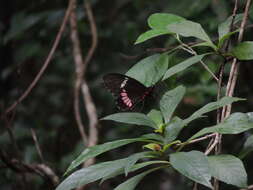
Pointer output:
128, 91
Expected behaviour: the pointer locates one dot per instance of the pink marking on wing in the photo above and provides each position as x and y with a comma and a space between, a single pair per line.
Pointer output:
125, 101
130, 104
125, 98
123, 94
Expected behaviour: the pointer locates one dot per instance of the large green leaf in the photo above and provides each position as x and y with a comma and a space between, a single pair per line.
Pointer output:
156, 116
151, 34
243, 50
173, 129
210, 107
170, 100
182, 66
235, 124
224, 28
150, 69
154, 136
160, 21
131, 183
188, 28
193, 165
90, 174
134, 168
131, 118
229, 169
99, 149
131, 160
247, 147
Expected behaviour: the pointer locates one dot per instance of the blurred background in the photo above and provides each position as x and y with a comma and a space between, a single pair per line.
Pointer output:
27, 32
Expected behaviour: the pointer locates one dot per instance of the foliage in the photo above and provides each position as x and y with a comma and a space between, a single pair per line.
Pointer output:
27, 31
163, 143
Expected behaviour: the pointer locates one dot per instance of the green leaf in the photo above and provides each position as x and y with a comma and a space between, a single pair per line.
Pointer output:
247, 147
235, 124
90, 174
131, 118
131, 160
151, 34
160, 21
210, 107
193, 165
99, 149
173, 129
131, 183
158, 138
229, 169
156, 116
250, 115
183, 65
134, 168
150, 69
224, 28
170, 100
243, 50
225, 37
188, 28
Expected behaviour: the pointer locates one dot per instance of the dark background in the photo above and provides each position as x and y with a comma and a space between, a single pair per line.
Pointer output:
27, 31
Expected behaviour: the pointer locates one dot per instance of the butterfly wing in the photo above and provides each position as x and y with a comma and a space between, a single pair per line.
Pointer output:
127, 90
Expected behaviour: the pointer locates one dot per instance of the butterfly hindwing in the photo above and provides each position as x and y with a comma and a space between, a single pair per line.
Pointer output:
128, 91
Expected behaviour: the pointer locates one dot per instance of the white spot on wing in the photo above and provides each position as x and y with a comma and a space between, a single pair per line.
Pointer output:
124, 83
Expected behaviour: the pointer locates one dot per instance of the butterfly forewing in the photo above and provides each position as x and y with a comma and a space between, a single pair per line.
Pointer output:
128, 91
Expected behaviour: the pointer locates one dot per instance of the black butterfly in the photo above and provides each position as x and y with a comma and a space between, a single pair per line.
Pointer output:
128, 91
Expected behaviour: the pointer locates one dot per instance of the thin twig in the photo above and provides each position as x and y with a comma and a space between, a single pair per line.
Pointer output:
193, 52
11, 134
216, 140
235, 65
218, 146
195, 186
201, 138
35, 139
47, 61
249, 188
182, 145
93, 28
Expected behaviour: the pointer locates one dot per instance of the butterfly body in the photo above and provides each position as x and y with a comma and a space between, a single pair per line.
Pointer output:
128, 91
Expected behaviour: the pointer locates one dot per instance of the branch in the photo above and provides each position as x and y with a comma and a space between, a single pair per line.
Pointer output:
79, 71
46, 63
81, 67
41, 170
217, 141
81, 83
89, 104
212, 146
235, 65
181, 145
